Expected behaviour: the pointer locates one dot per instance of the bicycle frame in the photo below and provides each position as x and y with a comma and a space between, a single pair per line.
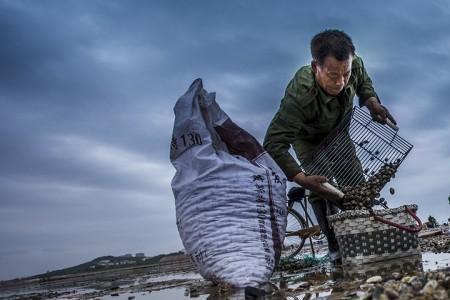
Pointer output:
311, 228
304, 204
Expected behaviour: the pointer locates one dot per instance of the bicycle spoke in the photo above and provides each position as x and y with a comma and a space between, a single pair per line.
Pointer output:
293, 242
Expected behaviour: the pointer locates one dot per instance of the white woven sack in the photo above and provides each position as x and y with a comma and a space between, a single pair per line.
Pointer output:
230, 196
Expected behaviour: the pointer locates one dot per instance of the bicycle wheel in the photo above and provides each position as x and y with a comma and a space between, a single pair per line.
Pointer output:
293, 243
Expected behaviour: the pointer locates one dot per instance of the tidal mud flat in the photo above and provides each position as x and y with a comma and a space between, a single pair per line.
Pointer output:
316, 279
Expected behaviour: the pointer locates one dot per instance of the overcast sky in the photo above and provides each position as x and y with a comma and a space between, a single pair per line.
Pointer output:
87, 90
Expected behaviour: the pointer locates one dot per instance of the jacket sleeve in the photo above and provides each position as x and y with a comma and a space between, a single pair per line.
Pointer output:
280, 135
364, 89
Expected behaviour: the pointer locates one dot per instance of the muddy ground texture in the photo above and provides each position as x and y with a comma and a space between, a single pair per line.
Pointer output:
435, 244
308, 279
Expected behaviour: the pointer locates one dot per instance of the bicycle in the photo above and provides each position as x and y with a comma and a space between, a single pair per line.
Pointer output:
300, 226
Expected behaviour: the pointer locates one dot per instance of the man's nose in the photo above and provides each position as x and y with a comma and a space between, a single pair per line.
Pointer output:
340, 81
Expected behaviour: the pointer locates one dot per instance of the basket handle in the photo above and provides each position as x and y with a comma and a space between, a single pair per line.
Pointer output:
400, 226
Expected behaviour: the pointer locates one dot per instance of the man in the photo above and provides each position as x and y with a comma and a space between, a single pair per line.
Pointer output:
315, 101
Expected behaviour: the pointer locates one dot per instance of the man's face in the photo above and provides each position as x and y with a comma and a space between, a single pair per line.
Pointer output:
333, 75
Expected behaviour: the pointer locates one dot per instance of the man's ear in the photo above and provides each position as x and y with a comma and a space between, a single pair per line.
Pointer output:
314, 66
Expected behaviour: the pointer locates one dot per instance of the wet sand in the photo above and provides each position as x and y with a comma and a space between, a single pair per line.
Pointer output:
313, 280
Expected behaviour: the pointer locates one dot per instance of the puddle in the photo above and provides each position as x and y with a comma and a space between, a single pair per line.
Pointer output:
384, 268
190, 275
318, 280
167, 294
435, 261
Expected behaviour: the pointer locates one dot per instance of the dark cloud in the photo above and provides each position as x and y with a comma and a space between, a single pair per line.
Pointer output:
87, 90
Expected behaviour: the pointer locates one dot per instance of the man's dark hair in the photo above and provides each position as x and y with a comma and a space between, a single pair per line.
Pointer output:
331, 42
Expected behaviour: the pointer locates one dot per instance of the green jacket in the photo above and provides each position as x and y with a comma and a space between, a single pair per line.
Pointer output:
306, 115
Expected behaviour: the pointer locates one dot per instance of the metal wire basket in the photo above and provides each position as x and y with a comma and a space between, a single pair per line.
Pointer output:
356, 149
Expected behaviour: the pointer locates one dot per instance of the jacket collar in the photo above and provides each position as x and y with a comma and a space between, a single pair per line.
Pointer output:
324, 97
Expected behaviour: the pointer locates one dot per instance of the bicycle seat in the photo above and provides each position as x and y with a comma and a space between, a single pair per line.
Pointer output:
296, 193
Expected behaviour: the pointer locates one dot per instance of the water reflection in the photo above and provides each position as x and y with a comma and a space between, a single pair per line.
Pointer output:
434, 261
320, 281
167, 294
384, 268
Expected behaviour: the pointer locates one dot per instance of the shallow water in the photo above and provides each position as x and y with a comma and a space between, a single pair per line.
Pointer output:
167, 294
176, 286
189, 275
432, 261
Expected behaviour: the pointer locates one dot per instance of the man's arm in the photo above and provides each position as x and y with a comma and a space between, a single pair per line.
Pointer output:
369, 98
280, 135
378, 112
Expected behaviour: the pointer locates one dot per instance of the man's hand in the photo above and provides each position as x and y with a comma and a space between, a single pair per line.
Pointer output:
314, 184
378, 112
